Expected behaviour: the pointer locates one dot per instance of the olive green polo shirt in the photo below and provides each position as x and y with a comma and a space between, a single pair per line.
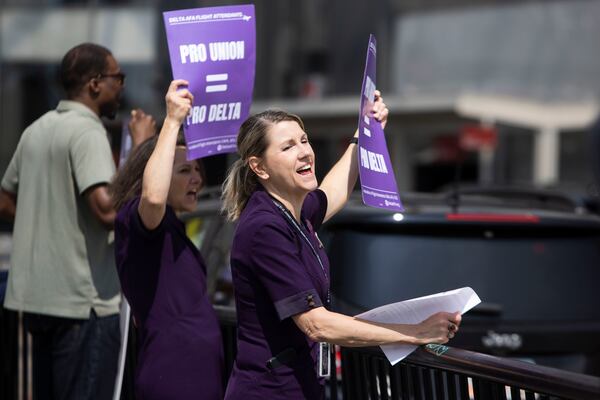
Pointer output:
62, 262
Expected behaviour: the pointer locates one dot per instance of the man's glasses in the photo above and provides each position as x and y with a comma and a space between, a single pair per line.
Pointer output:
119, 76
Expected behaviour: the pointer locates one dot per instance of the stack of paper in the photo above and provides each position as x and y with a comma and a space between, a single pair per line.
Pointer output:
414, 311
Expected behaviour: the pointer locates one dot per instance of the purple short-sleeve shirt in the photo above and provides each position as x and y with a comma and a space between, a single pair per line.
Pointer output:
276, 275
163, 276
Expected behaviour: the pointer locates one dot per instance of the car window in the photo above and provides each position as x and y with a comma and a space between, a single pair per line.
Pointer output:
530, 276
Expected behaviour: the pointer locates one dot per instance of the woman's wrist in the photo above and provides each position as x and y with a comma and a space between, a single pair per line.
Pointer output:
171, 123
411, 333
354, 140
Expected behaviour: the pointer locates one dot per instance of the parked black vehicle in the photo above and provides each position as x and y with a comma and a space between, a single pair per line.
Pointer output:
533, 257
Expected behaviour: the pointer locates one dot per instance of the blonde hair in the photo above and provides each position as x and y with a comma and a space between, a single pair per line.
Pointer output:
241, 181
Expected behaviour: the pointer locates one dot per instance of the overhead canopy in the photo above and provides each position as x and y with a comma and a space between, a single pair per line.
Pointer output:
527, 113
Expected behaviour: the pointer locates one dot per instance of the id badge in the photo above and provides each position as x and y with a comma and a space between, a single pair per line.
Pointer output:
324, 359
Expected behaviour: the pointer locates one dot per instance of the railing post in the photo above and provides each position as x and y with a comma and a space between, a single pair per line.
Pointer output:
463, 385
428, 385
515, 393
451, 385
438, 384
407, 382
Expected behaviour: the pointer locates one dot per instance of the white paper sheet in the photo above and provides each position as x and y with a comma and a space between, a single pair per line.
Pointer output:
416, 310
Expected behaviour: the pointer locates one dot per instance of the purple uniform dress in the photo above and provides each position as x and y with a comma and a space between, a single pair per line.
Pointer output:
276, 275
163, 276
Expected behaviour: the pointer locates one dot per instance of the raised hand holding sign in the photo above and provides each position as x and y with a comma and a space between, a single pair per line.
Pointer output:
377, 180
214, 50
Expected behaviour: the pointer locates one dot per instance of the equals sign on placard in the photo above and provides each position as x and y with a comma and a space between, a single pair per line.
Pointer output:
217, 83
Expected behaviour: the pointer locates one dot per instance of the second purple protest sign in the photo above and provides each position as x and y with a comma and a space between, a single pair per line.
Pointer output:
377, 180
214, 50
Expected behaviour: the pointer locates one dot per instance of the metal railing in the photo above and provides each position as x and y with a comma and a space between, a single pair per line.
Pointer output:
433, 372
441, 372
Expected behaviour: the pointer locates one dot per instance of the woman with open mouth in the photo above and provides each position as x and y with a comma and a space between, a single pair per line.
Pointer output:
280, 269
162, 274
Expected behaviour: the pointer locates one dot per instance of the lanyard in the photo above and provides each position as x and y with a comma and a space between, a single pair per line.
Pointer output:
292, 221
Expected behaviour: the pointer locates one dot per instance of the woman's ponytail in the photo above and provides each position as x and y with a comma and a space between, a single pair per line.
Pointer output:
241, 181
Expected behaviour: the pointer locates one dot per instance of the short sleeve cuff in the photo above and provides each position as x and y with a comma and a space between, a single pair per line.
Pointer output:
10, 181
298, 303
7, 186
138, 226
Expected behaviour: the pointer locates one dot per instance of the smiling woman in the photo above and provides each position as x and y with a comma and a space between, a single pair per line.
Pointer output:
287, 169
280, 270
162, 274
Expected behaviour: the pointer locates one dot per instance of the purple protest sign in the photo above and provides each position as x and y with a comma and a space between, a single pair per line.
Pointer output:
377, 180
214, 49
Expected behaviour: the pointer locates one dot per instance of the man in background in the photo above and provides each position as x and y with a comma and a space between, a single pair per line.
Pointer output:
62, 273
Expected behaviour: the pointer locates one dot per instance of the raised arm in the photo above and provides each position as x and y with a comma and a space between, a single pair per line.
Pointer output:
158, 171
340, 180
321, 325
141, 127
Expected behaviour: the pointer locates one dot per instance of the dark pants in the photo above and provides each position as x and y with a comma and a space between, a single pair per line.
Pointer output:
74, 358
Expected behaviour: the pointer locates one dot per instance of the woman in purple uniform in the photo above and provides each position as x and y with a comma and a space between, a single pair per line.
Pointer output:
162, 273
280, 271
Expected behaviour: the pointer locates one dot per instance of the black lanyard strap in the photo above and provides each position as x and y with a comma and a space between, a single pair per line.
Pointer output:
292, 221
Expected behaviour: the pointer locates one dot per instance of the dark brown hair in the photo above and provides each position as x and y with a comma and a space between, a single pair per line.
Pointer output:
127, 183
82, 63
241, 180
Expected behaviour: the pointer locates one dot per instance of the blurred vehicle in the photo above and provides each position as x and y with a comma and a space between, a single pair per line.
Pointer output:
533, 257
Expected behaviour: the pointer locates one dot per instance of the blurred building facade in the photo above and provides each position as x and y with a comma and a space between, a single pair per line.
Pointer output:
505, 89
